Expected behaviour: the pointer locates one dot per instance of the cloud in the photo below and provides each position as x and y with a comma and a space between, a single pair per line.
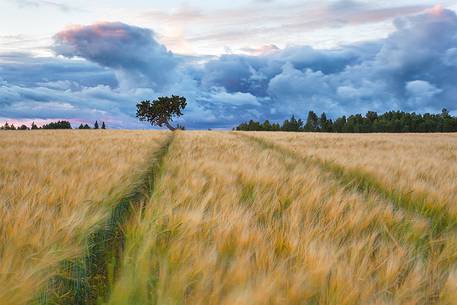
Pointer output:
346, 5
450, 58
422, 89
48, 70
412, 69
131, 51
106, 68
420, 92
45, 3
277, 22
221, 97
261, 50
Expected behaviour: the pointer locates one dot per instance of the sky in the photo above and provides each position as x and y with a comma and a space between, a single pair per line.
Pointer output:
86, 60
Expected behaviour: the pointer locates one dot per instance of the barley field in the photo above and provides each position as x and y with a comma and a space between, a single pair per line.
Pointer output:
229, 218
55, 188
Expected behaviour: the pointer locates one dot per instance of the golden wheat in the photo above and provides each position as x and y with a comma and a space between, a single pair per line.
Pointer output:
237, 218
232, 222
421, 163
55, 187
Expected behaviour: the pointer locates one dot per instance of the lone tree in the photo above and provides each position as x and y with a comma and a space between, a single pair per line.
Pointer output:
161, 111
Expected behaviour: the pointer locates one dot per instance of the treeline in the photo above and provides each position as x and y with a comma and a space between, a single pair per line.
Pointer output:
52, 125
96, 126
392, 121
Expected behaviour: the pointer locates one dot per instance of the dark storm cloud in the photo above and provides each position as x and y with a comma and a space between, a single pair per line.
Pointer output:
413, 69
130, 50
252, 74
25, 70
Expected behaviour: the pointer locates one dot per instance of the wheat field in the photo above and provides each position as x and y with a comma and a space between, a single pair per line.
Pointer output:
236, 218
421, 163
56, 187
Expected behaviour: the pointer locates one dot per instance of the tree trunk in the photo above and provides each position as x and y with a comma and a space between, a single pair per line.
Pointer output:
169, 126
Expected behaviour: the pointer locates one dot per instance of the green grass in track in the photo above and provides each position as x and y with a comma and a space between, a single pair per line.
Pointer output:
428, 246
364, 182
88, 280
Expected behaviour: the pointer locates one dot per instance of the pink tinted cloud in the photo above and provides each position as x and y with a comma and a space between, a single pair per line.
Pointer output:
195, 29
100, 30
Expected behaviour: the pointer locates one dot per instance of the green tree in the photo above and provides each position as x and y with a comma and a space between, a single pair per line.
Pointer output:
96, 125
340, 124
103, 125
371, 116
266, 126
292, 125
325, 124
445, 113
391, 121
58, 125
275, 127
161, 111
312, 122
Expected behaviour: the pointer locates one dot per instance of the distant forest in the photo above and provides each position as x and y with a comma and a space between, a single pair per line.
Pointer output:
52, 125
392, 121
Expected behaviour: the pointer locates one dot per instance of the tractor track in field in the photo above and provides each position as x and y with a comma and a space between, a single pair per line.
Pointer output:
87, 280
366, 185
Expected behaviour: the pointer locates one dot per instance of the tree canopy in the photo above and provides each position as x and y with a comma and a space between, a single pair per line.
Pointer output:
57, 125
51, 125
392, 121
161, 111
